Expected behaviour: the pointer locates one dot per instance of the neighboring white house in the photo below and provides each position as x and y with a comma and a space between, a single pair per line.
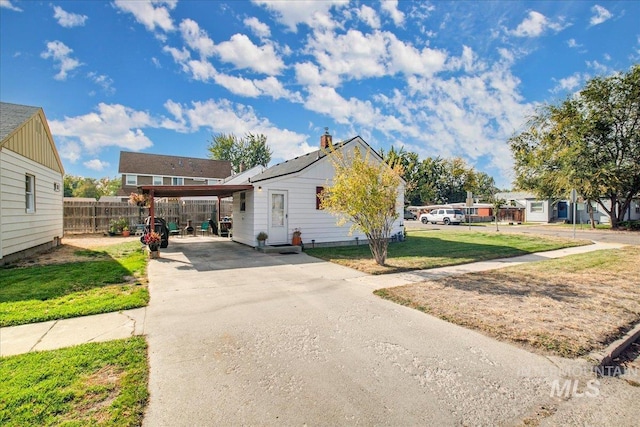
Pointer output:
31, 183
285, 197
548, 210
536, 210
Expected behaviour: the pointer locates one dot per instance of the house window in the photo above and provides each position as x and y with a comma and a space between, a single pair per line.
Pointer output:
536, 207
157, 180
319, 197
30, 193
131, 180
177, 181
213, 181
243, 201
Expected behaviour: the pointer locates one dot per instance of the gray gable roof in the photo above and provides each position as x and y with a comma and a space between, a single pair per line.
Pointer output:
12, 116
300, 163
163, 165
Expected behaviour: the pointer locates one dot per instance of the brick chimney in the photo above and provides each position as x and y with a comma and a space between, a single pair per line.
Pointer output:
325, 140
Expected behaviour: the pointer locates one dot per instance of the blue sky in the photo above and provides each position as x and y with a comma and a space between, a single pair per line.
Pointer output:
439, 78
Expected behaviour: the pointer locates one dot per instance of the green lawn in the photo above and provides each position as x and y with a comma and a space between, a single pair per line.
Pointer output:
90, 384
111, 279
439, 248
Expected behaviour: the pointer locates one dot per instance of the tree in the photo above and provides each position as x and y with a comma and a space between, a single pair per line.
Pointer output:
79, 186
243, 153
411, 171
496, 204
364, 192
590, 142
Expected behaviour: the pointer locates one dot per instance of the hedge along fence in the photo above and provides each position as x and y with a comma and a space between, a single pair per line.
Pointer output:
82, 216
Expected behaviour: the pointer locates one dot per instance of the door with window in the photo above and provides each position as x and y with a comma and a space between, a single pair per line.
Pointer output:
278, 217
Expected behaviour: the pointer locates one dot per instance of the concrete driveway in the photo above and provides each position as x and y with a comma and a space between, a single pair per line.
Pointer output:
238, 337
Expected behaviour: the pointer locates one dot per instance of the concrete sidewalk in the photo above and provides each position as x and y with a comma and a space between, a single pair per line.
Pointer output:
68, 332
104, 327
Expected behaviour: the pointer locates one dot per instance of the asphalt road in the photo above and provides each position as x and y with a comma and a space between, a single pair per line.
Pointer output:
608, 236
237, 337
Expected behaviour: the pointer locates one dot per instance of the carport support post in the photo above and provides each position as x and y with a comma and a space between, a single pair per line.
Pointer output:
152, 212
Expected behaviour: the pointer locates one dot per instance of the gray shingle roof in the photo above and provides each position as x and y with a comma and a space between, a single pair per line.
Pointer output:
12, 116
294, 165
163, 165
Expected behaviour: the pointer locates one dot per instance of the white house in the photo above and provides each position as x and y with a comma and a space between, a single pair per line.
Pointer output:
537, 210
285, 197
31, 183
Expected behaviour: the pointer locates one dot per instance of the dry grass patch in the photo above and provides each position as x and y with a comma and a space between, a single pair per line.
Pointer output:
567, 307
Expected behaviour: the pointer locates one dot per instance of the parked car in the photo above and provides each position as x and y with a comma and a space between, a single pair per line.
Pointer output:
445, 216
410, 215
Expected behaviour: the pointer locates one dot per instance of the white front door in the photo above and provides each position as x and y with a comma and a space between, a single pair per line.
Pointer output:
278, 217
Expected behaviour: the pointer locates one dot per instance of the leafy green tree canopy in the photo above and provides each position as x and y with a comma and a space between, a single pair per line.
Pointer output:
436, 180
246, 152
589, 142
79, 186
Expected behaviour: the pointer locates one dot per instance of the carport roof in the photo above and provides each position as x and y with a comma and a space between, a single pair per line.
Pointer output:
193, 190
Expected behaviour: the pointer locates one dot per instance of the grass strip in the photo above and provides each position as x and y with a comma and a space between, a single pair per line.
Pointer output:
91, 384
112, 279
438, 248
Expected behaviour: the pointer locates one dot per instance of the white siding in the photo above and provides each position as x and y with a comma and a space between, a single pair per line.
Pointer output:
318, 225
543, 216
21, 230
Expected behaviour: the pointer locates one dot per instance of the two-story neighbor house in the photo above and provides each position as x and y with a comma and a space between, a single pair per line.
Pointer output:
140, 169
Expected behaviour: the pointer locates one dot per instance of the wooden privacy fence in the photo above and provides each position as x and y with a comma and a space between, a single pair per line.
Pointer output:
81, 216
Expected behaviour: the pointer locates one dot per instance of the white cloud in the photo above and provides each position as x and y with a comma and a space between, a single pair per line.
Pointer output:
369, 16
96, 164
238, 85
572, 43
68, 19
391, 8
6, 4
242, 53
226, 117
599, 68
406, 59
535, 24
196, 38
570, 83
156, 62
600, 15
354, 54
111, 125
104, 81
315, 14
61, 55
201, 70
259, 28
150, 13
69, 150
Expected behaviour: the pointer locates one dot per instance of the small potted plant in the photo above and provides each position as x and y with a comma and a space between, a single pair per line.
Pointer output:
261, 237
113, 227
152, 240
296, 240
125, 231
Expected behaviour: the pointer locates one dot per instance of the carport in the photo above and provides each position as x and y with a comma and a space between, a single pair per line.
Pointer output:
175, 191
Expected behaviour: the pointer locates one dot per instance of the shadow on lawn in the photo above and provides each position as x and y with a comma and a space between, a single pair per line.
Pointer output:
503, 283
44, 282
419, 252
